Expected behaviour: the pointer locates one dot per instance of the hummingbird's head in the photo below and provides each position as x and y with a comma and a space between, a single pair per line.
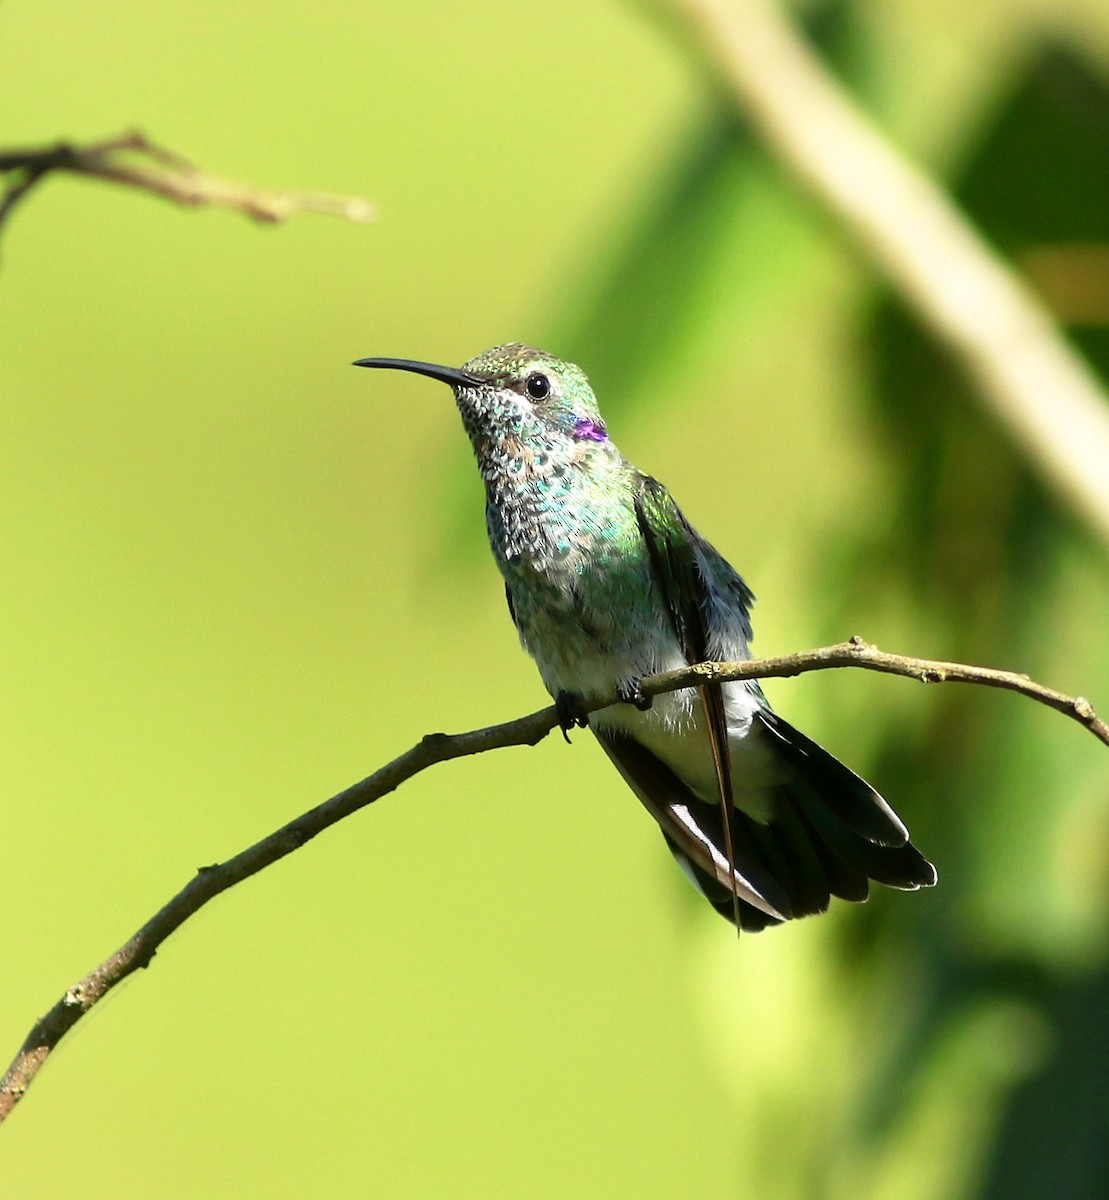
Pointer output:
520, 406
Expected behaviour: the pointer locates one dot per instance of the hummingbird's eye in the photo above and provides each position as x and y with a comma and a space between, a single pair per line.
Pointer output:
537, 386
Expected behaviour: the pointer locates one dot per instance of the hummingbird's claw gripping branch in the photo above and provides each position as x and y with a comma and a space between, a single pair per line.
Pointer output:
572, 713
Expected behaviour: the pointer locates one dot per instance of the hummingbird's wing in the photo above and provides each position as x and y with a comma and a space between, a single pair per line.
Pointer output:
511, 604
671, 546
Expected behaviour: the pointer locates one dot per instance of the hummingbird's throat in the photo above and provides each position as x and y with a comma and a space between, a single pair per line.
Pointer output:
587, 429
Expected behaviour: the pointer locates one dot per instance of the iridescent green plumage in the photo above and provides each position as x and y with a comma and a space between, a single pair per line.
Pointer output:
608, 583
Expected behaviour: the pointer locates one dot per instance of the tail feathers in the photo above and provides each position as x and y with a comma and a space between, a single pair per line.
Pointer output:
751, 919
853, 827
829, 833
853, 801
693, 831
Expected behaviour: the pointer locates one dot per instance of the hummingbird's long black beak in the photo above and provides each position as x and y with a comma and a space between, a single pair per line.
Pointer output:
452, 375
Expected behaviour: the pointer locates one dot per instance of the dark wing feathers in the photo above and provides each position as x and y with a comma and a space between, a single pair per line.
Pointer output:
671, 542
511, 606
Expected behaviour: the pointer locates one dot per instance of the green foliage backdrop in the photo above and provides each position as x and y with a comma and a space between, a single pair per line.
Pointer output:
239, 574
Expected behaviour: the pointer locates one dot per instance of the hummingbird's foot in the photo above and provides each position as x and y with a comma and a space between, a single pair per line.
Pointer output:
632, 693
571, 713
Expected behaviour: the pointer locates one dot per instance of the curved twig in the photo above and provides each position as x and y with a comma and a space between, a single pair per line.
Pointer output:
135, 161
439, 747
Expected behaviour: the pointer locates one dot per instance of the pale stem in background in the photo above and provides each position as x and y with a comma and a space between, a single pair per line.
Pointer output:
1036, 386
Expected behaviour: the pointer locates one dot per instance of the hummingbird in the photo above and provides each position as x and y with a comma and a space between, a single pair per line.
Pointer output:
608, 583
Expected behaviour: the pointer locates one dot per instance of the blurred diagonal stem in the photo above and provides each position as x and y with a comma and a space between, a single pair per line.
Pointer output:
135, 161
440, 747
1039, 389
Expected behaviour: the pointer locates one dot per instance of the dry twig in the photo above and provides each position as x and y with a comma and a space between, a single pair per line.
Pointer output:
439, 747
132, 160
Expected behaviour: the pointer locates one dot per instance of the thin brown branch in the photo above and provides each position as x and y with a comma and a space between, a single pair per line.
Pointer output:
440, 747
1041, 392
131, 159
857, 653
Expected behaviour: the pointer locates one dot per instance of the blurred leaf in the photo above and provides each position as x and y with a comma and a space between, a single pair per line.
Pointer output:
1001, 576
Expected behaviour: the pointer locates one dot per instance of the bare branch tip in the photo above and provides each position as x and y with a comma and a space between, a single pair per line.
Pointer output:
134, 160
361, 212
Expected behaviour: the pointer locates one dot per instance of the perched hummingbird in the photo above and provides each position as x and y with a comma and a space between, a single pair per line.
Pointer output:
608, 583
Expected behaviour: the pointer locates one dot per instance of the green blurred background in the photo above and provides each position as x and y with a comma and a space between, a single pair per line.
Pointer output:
239, 575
